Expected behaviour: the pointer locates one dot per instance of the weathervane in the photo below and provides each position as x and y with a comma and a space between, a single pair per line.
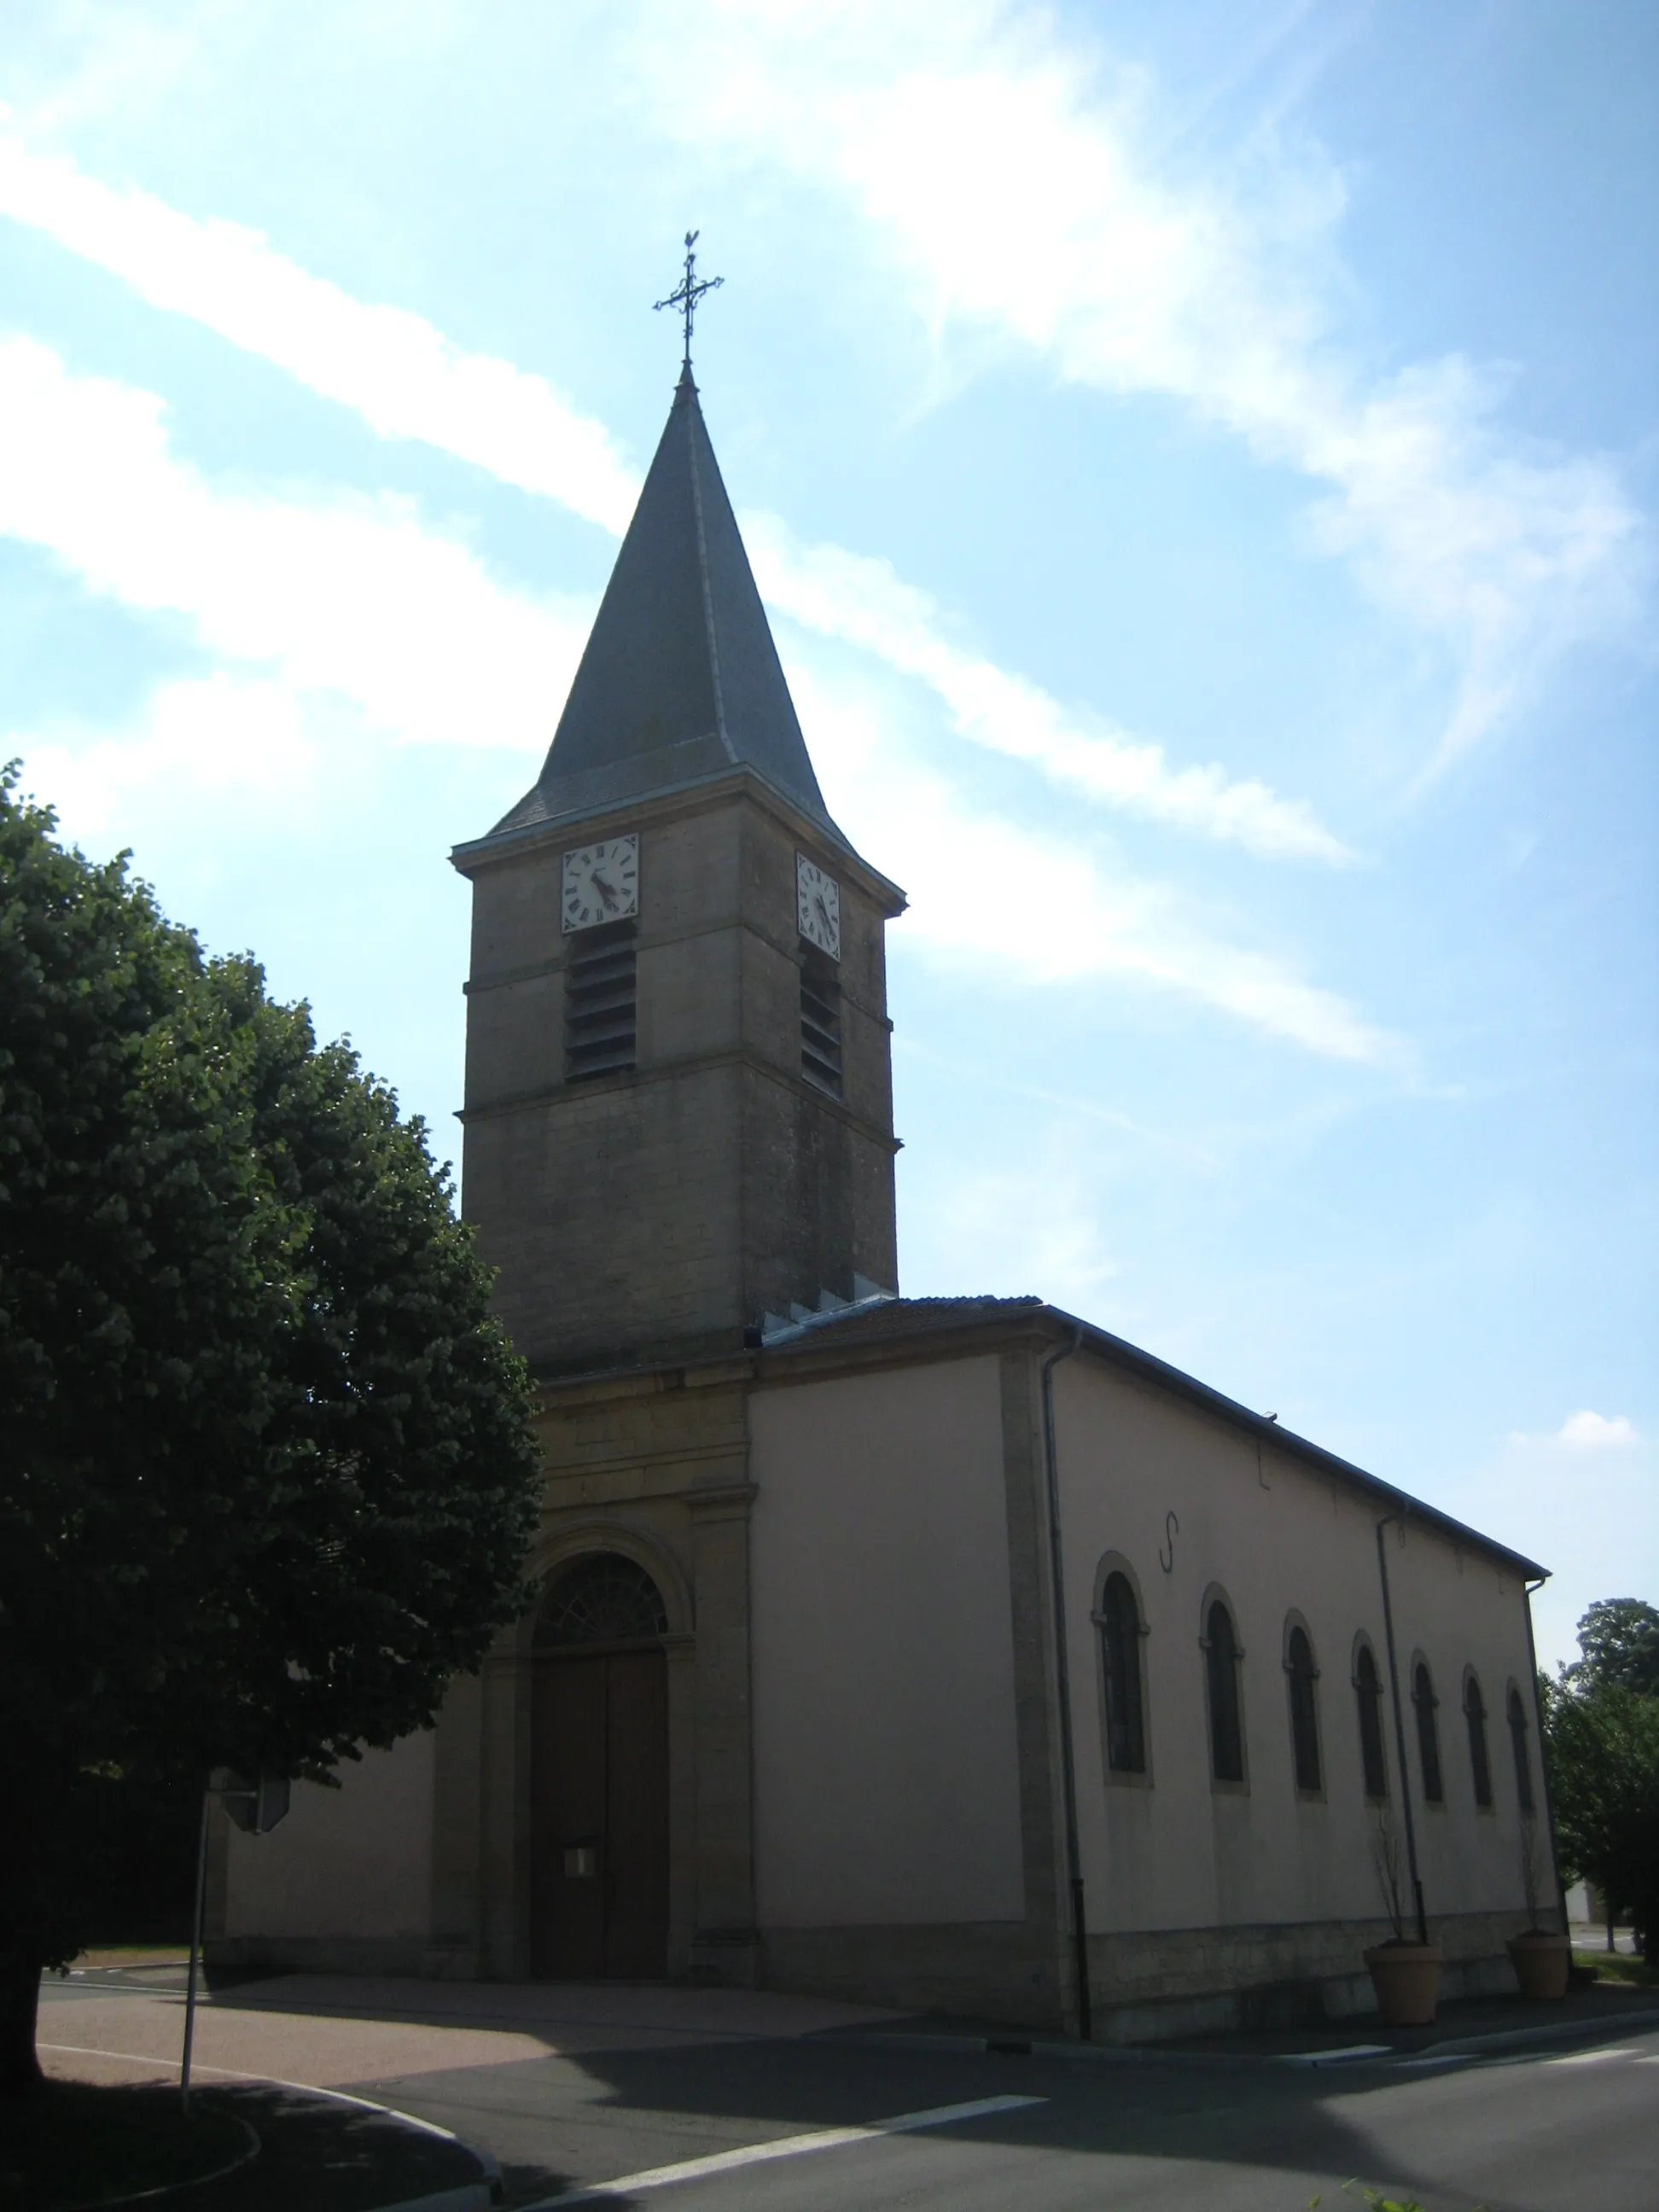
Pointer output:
689, 291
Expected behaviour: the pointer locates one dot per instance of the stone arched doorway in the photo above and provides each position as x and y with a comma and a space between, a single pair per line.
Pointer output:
599, 1905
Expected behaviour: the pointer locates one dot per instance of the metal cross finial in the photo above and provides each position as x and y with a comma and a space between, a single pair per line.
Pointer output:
690, 290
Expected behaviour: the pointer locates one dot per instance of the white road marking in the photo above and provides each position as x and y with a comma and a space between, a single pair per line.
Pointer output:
235, 2073
1333, 2058
1594, 2058
726, 2161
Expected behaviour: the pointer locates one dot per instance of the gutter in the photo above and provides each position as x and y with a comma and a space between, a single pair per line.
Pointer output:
1063, 1692
1544, 1758
1387, 1521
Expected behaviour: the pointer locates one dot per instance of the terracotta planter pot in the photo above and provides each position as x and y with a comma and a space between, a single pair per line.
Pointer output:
1541, 1962
1406, 1979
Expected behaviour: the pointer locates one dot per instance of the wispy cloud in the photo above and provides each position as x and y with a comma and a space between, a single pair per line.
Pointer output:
402, 377
1014, 179
407, 380
334, 592
866, 604
1020, 905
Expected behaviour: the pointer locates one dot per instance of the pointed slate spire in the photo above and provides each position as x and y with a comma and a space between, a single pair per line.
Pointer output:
680, 680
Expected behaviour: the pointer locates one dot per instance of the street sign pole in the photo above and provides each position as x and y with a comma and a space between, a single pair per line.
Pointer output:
195, 1956
257, 1809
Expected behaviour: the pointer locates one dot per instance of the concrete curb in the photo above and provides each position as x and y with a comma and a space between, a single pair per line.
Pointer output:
1014, 2047
1555, 2031
1119, 2054
460, 2196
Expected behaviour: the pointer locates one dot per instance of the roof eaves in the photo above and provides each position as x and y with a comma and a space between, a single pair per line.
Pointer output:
502, 844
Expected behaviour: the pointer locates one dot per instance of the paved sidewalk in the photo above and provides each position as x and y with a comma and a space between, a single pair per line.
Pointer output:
125, 2024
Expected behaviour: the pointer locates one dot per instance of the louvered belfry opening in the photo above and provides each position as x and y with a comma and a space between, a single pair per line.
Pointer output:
599, 997
820, 1020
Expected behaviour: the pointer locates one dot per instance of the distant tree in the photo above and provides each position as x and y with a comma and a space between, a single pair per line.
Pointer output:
1619, 1639
1601, 1737
266, 1472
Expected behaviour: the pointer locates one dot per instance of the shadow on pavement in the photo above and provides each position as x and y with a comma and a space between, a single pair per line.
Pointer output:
562, 2123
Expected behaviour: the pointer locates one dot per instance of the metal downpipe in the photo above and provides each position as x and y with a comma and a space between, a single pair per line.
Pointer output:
1063, 1695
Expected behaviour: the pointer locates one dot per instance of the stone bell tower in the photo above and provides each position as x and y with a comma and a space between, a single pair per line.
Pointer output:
678, 1085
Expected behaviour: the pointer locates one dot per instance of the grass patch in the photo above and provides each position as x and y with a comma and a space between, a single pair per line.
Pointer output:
73, 2144
1618, 1967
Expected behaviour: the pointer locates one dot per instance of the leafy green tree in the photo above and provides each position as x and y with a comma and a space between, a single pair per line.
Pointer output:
1619, 1639
1601, 1733
267, 1476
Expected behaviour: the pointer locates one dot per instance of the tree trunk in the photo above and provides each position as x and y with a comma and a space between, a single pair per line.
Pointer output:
25, 1926
20, 1998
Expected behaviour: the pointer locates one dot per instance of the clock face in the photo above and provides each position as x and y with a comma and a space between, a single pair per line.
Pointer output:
817, 906
601, 883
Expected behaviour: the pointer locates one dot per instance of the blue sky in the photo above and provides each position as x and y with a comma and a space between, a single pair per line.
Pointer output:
1201, 464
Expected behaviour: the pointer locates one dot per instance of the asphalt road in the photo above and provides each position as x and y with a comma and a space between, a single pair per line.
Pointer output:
849, 2121
1557, 2132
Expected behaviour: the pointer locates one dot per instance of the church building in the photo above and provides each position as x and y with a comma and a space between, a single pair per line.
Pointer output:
950, 1653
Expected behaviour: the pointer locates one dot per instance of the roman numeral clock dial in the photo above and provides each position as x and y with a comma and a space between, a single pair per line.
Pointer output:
601, 883
817, 906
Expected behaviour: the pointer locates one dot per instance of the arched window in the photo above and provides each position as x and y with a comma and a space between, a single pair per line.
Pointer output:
1304, 1710
600, 1598
1221, 1656
1428, 1734
1367, 1690
1517, 1713
1474, 1711
1120, 1645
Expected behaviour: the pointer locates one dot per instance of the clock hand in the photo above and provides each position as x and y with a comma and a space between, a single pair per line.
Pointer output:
603, 889
823, 911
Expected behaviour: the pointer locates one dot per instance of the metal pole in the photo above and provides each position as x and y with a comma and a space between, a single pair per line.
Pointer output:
1063, 1695
194, 1954
1400, 1731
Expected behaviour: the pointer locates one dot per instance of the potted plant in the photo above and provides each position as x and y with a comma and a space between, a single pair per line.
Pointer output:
1405, 1974
1542, 1958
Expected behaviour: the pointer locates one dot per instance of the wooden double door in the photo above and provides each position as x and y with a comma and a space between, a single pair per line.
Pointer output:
599, 1816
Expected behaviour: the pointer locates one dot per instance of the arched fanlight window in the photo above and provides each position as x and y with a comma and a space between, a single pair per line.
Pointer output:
1221, 1656
1517, 1713
1368, 1691
601, 1598
1428, 1734
1304, 1710
1475, 1712
1120, 1642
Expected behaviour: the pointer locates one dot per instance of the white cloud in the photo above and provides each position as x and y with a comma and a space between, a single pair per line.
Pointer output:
403, 376
1025, 906
865, 603
407, 380
352, 599
1033, 1226
1017, 188
218, 738
334, 592
1585, 1432
971, 872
